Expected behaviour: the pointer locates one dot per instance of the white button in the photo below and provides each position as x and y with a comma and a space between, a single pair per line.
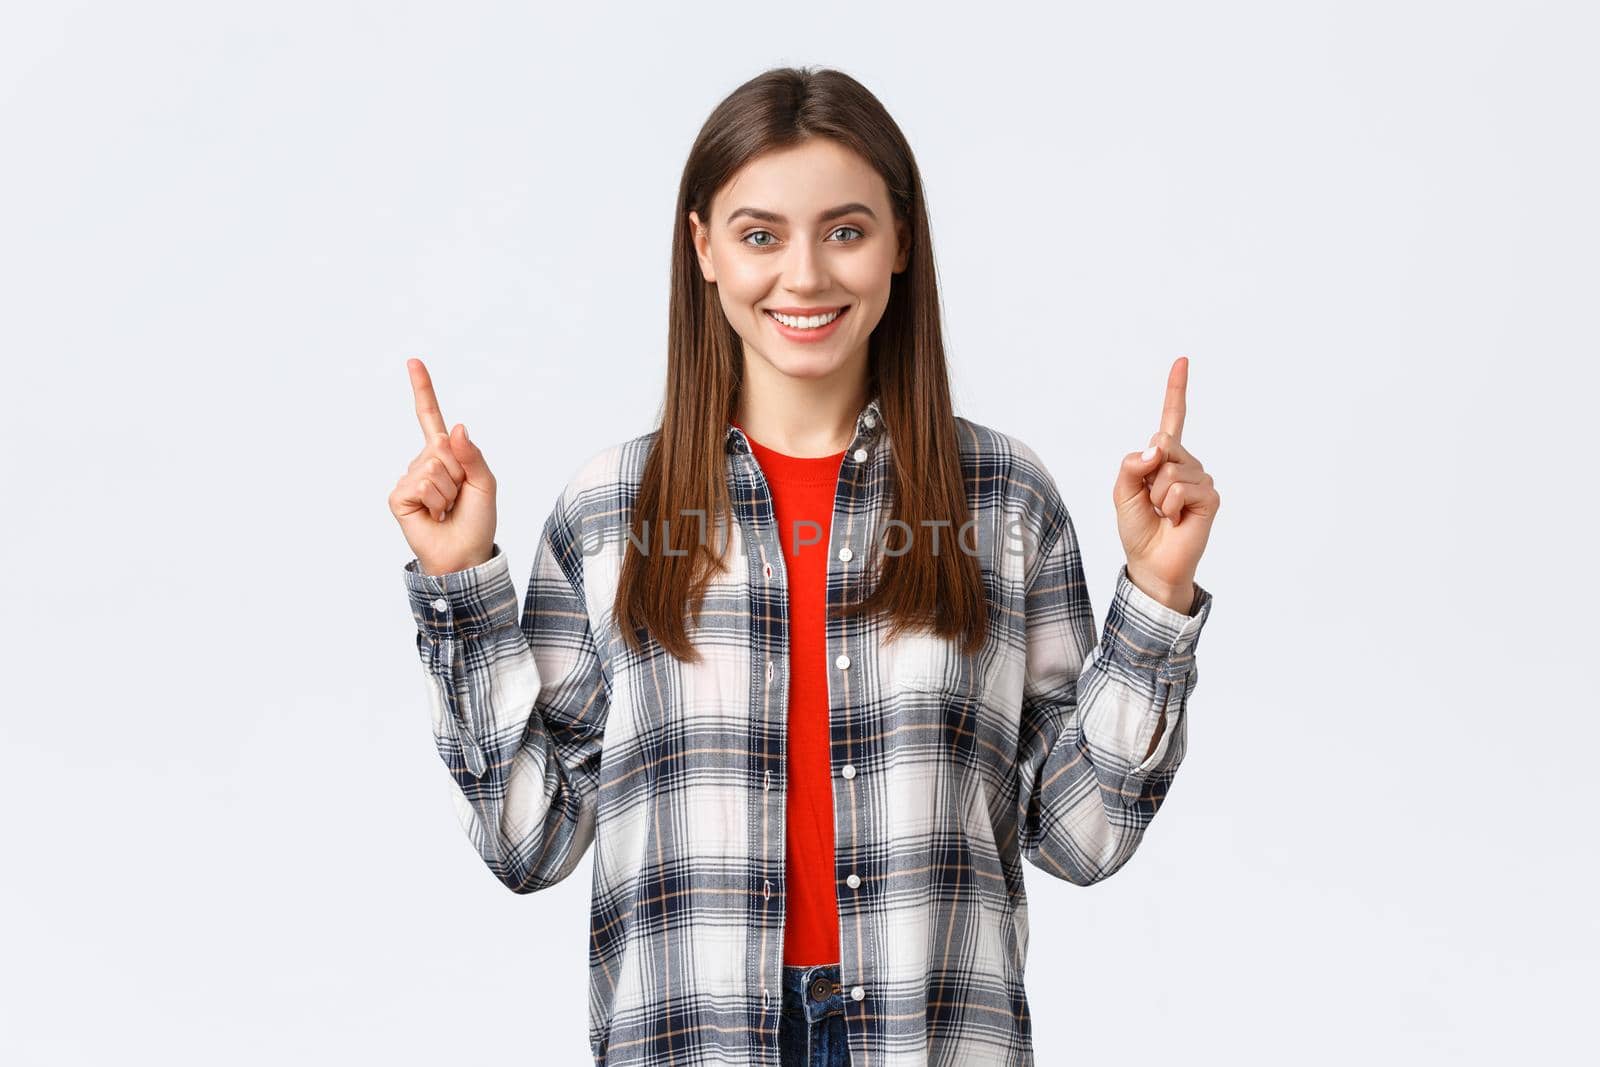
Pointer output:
870, 419
843, 662
849, 770
441, 604
861, 453
853, 881
857, 993
845, 554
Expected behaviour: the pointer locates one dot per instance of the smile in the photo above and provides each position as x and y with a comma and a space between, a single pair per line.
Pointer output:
807, 322
807, 327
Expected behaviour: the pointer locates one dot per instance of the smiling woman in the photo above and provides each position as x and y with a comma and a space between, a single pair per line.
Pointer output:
818, 270
812, 771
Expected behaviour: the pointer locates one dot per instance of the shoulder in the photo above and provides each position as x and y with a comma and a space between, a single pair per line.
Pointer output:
1006, 472
600, 476
597, 497
1006, 460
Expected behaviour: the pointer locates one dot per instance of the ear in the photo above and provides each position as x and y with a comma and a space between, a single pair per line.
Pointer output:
903, 243
702, 247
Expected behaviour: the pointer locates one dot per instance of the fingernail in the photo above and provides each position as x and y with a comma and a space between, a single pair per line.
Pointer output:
464, 435
441, 516
1148, 454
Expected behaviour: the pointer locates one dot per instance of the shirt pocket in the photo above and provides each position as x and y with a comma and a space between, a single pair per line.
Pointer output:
927, 663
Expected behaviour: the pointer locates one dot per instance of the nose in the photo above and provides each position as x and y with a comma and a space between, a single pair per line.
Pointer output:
805, 270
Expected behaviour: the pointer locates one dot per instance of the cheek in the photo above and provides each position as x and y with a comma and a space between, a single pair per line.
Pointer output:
868, 277
741, 287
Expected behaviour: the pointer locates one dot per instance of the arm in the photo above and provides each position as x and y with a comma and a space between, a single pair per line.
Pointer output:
1103, 726
519, 709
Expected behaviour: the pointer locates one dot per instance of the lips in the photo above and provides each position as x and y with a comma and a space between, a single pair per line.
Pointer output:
800, 312
803, 334
833, 314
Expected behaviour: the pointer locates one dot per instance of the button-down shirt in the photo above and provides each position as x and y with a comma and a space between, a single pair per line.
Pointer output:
948, 768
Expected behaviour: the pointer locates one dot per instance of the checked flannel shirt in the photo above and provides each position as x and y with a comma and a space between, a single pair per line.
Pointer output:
948, 769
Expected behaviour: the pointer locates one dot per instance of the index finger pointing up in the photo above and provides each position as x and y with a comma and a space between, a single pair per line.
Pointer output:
427, 404
1172, 410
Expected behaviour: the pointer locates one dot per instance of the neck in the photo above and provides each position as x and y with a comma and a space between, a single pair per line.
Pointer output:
801, 417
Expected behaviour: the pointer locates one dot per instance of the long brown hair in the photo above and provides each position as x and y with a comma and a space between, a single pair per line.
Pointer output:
685, 468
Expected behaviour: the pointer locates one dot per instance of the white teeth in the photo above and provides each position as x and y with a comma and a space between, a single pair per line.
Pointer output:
805, 322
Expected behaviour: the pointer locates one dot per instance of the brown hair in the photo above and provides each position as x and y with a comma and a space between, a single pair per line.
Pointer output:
685, 468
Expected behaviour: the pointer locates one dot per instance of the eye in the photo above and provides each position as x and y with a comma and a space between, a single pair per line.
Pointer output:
746, 239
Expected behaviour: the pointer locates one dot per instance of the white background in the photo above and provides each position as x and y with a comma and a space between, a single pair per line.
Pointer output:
223, 230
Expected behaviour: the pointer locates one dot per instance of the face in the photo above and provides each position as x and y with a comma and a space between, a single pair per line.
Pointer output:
806, 232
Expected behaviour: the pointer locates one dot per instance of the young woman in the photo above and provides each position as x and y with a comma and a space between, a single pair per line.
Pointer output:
812, 662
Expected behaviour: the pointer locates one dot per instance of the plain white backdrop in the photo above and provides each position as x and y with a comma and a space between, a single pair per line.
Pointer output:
224, 228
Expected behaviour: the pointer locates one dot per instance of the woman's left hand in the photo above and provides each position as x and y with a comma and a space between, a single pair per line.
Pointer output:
1165, 505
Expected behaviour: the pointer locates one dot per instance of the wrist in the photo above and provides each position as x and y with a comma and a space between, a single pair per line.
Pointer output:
1179, 598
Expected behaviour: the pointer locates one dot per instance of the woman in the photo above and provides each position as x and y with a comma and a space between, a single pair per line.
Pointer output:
812, 662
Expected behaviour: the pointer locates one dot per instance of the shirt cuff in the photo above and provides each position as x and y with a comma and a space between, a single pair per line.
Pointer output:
463, 604
1144, 634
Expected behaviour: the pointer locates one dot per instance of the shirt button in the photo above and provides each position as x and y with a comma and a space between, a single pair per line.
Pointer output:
441, 604
870, 419
853, 881
857, 993
849, 770
845, 554
843, 662
861, 453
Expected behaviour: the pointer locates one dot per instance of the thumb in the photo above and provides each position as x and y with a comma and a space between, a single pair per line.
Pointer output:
469, 455
1136, 466
1130, 494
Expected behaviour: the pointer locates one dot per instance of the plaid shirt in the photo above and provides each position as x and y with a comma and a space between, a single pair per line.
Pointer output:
948, 769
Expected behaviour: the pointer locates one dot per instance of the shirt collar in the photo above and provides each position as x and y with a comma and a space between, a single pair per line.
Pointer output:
869, 423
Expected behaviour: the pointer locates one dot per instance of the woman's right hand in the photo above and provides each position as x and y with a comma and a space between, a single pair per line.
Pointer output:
445, 500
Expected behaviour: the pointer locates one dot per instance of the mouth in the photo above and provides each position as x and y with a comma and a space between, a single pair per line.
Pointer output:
802, 324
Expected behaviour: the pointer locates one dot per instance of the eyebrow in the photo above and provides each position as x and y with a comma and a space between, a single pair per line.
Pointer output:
832, 213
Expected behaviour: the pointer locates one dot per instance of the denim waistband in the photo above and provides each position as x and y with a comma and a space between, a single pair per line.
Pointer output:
801, 986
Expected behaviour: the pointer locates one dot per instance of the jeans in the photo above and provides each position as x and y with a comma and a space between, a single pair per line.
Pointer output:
811, 1029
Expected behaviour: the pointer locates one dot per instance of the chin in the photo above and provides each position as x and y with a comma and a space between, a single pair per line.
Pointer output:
805, 368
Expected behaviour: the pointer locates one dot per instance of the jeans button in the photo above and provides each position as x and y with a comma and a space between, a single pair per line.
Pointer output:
820, 989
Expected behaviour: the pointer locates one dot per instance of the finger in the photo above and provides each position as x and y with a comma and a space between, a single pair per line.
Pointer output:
471, 458
1176, 498
1173, 448
1163, 478
432, 494
1186, 497
427, 404
449, 488
439, 448
1133, 476
1172, 410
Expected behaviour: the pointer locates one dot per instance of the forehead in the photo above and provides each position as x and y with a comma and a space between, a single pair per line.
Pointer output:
802, 181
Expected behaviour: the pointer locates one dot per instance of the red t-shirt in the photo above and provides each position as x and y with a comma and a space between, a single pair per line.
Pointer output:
803, 489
